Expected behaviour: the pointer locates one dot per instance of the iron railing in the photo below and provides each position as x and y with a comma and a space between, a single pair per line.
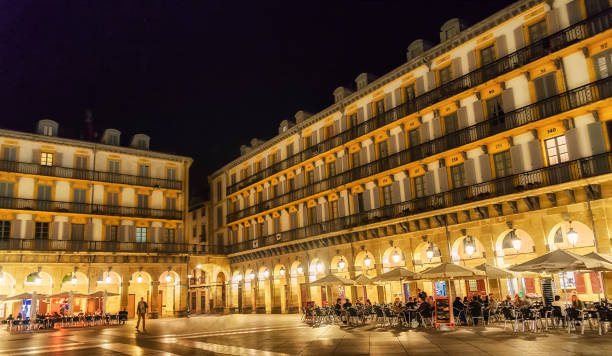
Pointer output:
83, 174
84, 208
553, 43
547, 176
553, 105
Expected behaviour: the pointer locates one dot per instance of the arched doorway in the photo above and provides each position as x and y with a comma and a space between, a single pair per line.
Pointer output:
365, 264
109, 282
427, 254
220, 293
281, 289
514, 246
7, 288
316, 271
140, 287
169, 292
392, 258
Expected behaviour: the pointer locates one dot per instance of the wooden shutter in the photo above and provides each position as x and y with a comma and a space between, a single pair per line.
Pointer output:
407, 189
552, 19
424, 132
580, 286
508, 100
304, 215
516, 156
341, 206
58, 159
530, 285
299, 179
462, 117
321, 135
397, 93
355, 204
573, 11
471, 60
470, 171
436, 126
89, 227
363, 159
388, 102
36, 156
485, 167
595, 284
376, 197
368, 111
501, 45
571, 139
337, 126
519, 38
396, 194
596, 138
132, 233
107, 232
16, 228
429, 183
29, 229
419, 86
430, 78
478, 111
55, 230
442, 179
535, 152
367, 200
264, 230
393, 144
457, 69
360, 115
65, 231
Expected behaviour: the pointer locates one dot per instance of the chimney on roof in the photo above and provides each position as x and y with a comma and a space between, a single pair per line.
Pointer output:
416, 48
340, 93
452, 27
364, 79
140, 141
301, 116
284, 126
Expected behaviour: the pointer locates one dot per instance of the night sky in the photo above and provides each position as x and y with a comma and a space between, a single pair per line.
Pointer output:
200, 77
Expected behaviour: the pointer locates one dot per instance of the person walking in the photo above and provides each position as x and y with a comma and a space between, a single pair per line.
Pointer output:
141, 310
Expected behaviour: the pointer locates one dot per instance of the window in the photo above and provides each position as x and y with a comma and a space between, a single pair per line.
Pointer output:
379, 107
312, 215
473, 285
243, 173
408, 93
260, 229
79, 195
494, 107
257, 169
545, 86
502, 163
144, 170
567, 280
419, 187
171, 173
487, 55
219, 216
169, 235
355, 159
80, 162
387, 195
413, 137
112, 198
219, 192
48, 130
537, 31
170, 203
360, 204
593, 7
9, 153
444, 75
333, 210
7, 189
290, 184
113, 140
203, 233
329, 131
383, 149
331, 169
293, 220
260, 198
307, 141
458, 175
556, 150
143, 201
113, 166
289, 150
274, 190
195, 231
46, 159
41, 230
603, 64
141, 234
450, 123
77, 232
233, 179
113, 233
310, 177
276, 225
353, 120
5, 229
44, 192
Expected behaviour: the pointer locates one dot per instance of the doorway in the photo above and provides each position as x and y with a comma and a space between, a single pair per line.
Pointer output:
131, 305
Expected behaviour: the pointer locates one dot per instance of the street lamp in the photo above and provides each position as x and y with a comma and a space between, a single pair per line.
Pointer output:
572, 235
367, 261
320, 267
430, 251
139, 279
300, 270
252, 276
73, 280
396, 257
108, 279
516, 241
341, 264
470, 246
282, 271
168, 278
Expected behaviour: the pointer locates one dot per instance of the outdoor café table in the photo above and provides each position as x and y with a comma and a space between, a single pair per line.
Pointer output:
409, 315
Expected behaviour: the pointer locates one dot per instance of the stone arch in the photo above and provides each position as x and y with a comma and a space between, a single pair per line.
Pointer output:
316, 269
458, 250
393, 257
557, 237
169, 291
295, 268
421, 261
110, 281
339, 264
361, 263
109, 277
169, 277
263, 273
506, 253
280, 271
40, 282
7, 284
141, 277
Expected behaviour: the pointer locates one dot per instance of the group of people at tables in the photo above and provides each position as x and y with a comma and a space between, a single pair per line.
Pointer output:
48, 321
422, 306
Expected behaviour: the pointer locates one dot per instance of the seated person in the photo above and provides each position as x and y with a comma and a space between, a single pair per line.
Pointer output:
475, 309
338, 307
345, 307
577, 303
459, 310
423, 311
559, 309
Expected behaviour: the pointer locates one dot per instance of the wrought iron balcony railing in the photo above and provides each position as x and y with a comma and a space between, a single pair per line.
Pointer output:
554, 105
84, 208
108, 177
553, 43
517, 183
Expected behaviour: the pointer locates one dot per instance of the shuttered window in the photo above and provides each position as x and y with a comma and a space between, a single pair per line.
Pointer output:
9, 153
387, 195
487, 55
144, 170
289, 150
312, 215
81, 162
310, 177
79, 195
113, 233
143, 201
537, 31
594, 7
7, 189
419, 187
170, 203
274, 191
545, 86
355, 159
329, 131
277, 225
333, 210
293, 220
360, 205
383, 149
44, 192
41, 230
5, 229
450, 123
503, 164
307, 141
331, 169
46, 159
408, 93
113, 166
379, 107
494, 107
171, 173
603, 64
445, 75
260, 198
169, 235
556, 150
290, 184
141, 234
77, 232
352, 120
413, 138
112, 198
458, 176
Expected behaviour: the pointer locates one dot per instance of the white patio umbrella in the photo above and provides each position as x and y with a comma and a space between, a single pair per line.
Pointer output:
332, 280
451, 271
605, 258
397, 274
495, 272
363, 280
102, 295
23, 296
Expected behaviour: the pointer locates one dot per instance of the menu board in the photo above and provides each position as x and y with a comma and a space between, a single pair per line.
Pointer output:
443, 311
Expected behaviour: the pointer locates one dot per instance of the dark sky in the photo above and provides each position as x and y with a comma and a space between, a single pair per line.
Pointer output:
200, 77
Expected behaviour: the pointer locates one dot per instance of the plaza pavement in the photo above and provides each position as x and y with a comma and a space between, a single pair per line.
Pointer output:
287, 335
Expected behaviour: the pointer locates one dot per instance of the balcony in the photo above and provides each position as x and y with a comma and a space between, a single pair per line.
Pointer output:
18, 244
108, 177
554, 105
84, 208
553, 43
548, 176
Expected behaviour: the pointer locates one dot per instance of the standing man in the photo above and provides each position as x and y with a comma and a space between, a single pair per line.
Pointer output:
141, 310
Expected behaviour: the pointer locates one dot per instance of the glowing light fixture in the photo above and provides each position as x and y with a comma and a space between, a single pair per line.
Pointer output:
73, 280
396, 257
282, 271
139, 279
430, 251
470, 246
367, 261
199, 266
108, 279
572, 235
37, 280
320, 267
341, 264
516, 241
168, 279
300, 270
